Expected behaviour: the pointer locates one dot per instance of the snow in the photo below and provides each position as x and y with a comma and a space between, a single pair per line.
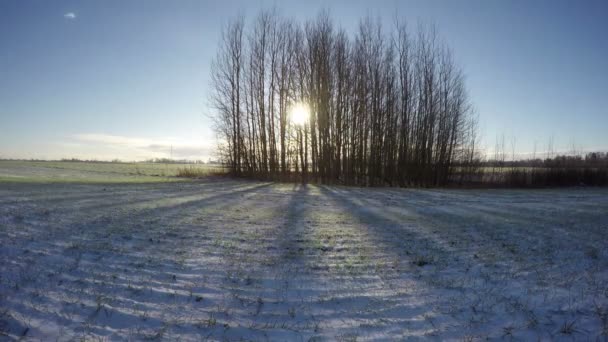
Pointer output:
225, 259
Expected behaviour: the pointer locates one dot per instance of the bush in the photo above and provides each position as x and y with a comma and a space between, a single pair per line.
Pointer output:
193, 172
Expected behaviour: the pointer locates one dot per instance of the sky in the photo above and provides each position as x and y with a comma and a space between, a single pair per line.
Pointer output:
130, 79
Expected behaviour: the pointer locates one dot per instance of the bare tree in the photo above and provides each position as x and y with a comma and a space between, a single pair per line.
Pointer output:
385, 107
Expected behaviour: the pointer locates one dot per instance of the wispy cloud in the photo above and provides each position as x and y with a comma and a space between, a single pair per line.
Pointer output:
70, 15
137, 148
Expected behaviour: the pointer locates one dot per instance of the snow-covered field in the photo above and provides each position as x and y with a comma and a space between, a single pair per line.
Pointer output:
224, 259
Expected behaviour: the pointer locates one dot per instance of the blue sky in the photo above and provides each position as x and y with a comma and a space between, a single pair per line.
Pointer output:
129, 79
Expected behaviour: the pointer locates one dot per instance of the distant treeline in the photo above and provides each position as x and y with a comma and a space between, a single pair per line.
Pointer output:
588, 160
388, 104
590, 169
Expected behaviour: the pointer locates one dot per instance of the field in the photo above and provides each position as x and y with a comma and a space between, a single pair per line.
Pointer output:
94, 172
223, 259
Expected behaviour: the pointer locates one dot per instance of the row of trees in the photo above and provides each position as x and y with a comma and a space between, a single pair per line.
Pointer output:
385, 106
587, 160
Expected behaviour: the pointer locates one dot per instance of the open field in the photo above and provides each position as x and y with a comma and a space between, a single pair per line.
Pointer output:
93, 172
223, 259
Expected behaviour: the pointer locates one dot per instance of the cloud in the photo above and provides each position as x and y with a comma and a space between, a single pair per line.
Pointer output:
138, 148
111, 139
70, 15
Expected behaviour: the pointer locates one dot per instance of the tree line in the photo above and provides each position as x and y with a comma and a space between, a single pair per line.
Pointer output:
387, 105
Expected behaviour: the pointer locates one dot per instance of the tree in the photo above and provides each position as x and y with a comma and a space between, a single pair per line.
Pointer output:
385, 107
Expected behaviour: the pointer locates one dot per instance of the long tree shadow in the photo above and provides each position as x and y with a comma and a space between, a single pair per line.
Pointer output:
425, 259
105, 267
479, 252
262, 261
512, 220
266, 284
380, 254
399, 232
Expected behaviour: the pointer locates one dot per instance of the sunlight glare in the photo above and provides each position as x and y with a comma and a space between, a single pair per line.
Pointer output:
299, 114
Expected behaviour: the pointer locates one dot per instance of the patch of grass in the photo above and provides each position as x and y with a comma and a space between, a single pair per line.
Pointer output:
602, 314
508, 331
532, 321
348, 337
192, 172
592, 253
422, 260
20, 171
568, 328
209, 322
49, 179
260, 303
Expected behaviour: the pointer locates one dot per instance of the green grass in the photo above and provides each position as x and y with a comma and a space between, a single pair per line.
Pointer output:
95, 172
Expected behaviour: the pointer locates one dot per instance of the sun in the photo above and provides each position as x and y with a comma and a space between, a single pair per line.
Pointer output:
299, 114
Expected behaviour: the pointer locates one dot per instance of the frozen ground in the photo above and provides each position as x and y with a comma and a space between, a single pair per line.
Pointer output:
229, 260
